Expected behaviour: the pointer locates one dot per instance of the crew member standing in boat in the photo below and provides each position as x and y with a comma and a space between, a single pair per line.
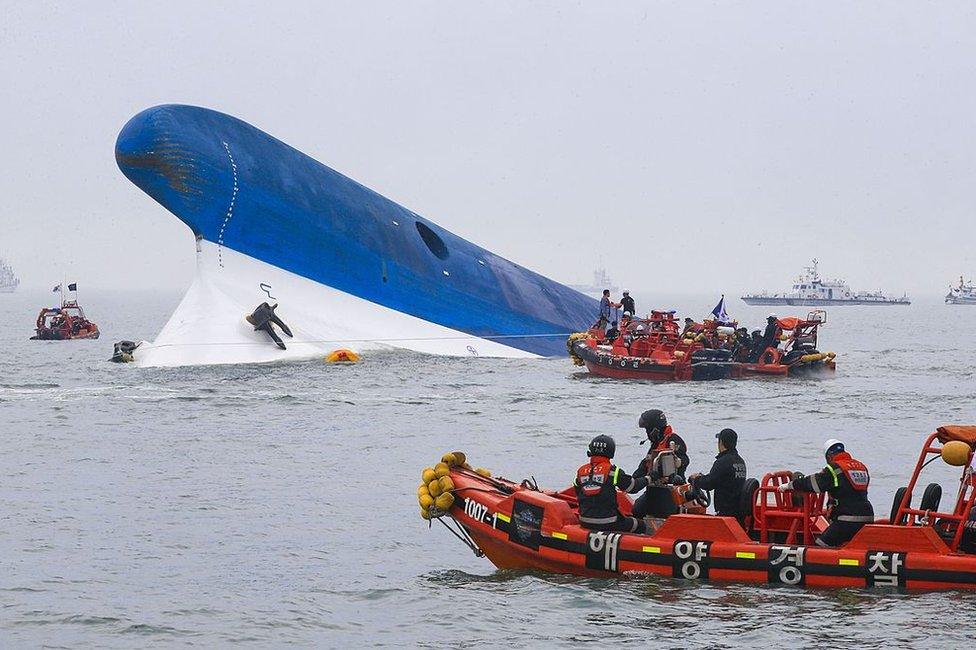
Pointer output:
847, 480
769, 337
657, 501
627, 303
605, 306
596, 488
727, 476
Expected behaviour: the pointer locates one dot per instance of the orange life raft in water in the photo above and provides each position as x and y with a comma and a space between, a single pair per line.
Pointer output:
518, 526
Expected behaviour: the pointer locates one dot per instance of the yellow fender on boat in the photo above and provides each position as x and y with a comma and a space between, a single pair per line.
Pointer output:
342, 355
955, 453
810, 358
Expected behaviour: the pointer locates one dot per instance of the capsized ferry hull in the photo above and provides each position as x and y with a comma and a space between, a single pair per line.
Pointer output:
348, 267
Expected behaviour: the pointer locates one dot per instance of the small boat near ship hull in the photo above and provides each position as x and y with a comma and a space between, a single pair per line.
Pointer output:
65, 323
653, 349
606, 364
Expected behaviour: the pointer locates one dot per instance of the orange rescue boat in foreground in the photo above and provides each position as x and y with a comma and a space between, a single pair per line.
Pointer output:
923, 548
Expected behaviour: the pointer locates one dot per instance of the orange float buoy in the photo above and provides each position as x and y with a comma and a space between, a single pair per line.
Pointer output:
342, 355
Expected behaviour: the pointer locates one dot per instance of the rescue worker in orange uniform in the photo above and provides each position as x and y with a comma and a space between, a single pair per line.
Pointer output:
657, 501
847, 480
596, 487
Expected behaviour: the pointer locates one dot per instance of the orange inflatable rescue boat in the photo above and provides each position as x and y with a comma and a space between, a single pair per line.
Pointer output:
923, 547
653, 348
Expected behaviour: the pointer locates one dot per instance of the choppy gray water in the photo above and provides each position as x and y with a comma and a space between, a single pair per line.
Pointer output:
276, 504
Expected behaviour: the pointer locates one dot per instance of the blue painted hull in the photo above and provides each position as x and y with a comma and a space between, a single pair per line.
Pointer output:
243, 190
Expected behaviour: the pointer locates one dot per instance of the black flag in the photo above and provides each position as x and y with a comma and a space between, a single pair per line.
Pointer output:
73, 286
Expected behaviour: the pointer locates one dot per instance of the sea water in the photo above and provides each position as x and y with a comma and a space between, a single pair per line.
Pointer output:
268, 505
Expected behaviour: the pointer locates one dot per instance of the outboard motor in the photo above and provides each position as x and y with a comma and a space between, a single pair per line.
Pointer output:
263, 317
123, 351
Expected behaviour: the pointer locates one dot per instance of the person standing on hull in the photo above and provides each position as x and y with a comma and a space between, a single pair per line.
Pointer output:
627, 303
605, 306
727, 476
596, 488
846, 480
657, 500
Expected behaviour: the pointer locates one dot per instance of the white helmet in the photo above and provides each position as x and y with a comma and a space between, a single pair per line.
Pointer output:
830, 444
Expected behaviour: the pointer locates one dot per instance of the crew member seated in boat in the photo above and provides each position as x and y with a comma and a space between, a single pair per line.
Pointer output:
625, 326
596, 488
657, 501
741, 345
727, 476
605, 306
847, 480
612, 333
690, 327
627, 303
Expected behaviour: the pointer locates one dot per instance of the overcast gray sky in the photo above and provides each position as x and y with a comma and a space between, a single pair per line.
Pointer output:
695, 147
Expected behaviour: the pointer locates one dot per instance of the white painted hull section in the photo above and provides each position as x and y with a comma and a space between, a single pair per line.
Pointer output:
208, 326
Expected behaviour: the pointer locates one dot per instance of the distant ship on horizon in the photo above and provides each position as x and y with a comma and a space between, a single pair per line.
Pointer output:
810, 290
964, 294
601, 281
8, 281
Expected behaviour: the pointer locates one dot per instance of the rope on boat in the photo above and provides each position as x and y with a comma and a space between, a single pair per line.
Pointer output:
467, 337
462, 535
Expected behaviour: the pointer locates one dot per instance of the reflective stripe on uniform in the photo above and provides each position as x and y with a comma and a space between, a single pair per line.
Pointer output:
815, 484
616, 472
598, 520
856, 518
834, 474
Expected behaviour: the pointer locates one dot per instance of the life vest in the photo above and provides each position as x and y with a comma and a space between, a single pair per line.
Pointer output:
664, 444
596, 491
853, 470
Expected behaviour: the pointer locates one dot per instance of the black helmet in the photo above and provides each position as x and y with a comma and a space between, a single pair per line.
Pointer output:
602, 445
653, 422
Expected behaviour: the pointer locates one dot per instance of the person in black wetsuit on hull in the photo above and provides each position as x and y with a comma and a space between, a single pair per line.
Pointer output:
627, 303
262, 319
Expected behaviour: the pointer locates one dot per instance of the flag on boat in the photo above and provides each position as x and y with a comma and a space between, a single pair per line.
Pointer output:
719, 311
56, 288
73, 286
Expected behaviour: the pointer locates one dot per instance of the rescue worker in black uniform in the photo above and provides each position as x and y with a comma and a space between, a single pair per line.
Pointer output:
770, 337
612, 333
846, 480
727, 476
596, 487
627, 303
657, 500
